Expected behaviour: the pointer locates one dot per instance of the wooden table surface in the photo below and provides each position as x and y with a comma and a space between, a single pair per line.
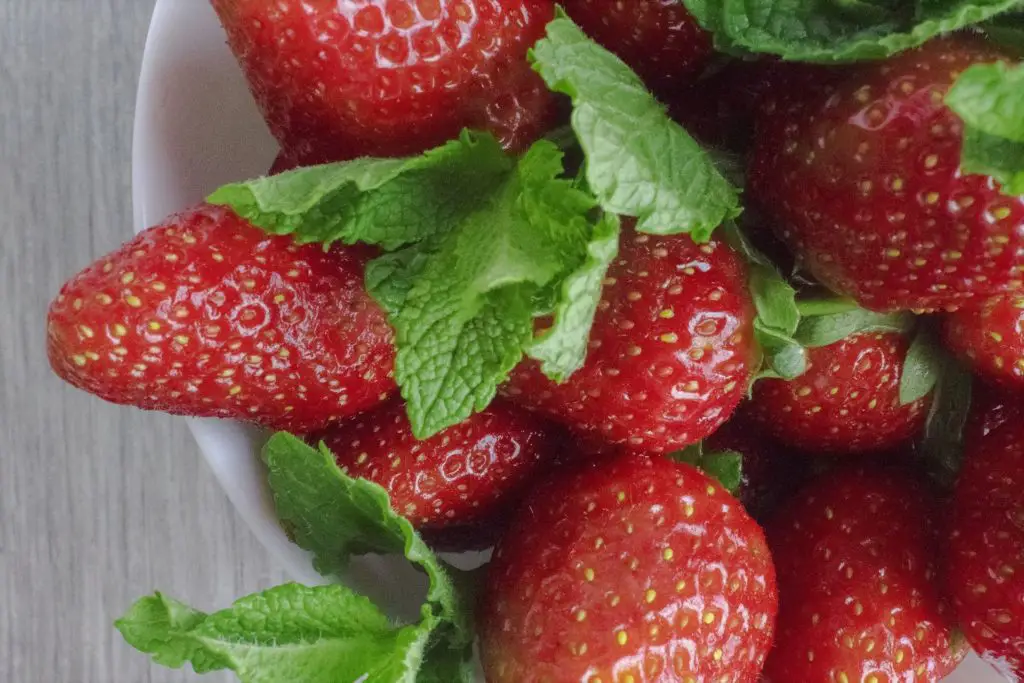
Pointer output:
98, 504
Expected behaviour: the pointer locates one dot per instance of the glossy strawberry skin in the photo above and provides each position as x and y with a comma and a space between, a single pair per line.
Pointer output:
722, 108
658, 39
847, 402
860, 596
205, 315
670, 350
634, 567
462, 477
863, 180
989, 336
336, 80
984, 559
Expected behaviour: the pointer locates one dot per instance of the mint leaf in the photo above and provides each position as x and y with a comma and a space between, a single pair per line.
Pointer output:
724, 466
156, 625
778, 315
468, 313
336, 517
823, 330
990, 100
774, 299
827, 31
942, 441
290, 633
1007, 33
638, 161
921, 367
562, 348
388, 202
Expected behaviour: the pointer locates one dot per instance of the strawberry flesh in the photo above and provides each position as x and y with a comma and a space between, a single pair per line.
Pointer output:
205, 315
990, 338
856, 553
864, 181
337, 80
462, 477
632, 568
984, 562
847, 402
671, 349
658, 39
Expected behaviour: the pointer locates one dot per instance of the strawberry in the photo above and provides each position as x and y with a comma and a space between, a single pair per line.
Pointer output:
205, 315
864, 181
989, 336
848, 401
671, 349
462, 477
658, 39
634, 568
721, 108
342, 79
856, 553
985, 561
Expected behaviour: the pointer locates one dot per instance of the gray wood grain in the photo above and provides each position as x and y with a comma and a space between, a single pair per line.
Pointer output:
98, 504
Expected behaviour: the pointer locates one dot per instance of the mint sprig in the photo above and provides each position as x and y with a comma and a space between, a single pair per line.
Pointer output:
480, 244
990, 100
639, 162
318, 634
834, 32
778, 315
321, 634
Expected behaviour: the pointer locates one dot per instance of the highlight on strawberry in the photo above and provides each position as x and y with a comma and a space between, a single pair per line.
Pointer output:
492, 293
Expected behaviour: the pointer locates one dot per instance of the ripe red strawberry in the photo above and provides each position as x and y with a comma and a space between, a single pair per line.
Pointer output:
721, 109
985, 562
341, 79
860, 602
864, 180
671, 350
769, 471
848, 401
635, 568
658, 39
989, 336
462, 477
205, 315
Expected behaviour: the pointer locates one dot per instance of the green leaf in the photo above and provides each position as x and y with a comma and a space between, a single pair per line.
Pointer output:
987, 155
562, 348
156, 625
990, 100
1007, 32
389, 202
942, 441
638, 161
288, 634
774, 299
921, 368
823, 330
828, 31
778, 314
468, 313
724, 466
727, 468
336, 517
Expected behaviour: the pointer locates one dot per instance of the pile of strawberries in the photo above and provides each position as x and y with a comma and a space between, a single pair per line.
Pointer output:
614, 561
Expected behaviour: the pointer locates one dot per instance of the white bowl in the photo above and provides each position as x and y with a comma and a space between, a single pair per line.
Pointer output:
196, 127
